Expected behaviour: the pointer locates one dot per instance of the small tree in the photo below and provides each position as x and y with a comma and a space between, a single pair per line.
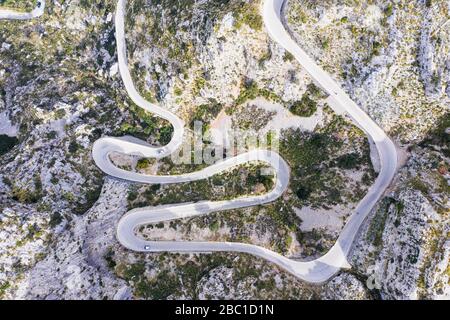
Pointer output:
306, 107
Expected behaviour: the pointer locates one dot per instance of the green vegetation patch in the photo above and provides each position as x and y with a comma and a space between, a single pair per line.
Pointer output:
166, 31
28, 195
143, 164
377, 225
173, 276
316, 158
143, 124
3, 287
249, 14
439, 136
205, 113
90, 197
7, 143
349, 161
307, 105
251, 91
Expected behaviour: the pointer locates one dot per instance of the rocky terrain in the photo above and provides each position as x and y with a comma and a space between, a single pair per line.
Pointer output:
212, 61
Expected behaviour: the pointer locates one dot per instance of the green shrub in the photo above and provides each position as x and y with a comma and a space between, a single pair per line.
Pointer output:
303, 192
439, 136
52, 135
7, 181
160, 288
376, 227
91, 197
248, 14
109, 258
7, 143
257, 177
21, 5
252, 91
376, 48
3, 287
214, 226
206, 112
177, 91
199, 84
132, 195
25, 195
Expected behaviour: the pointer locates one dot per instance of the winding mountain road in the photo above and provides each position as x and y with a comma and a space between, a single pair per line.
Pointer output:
316, 271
